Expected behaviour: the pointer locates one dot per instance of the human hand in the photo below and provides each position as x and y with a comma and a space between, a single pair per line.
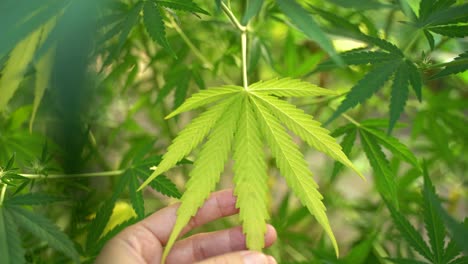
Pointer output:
143, 242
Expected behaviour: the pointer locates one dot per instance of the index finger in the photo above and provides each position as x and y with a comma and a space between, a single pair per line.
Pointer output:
219, 204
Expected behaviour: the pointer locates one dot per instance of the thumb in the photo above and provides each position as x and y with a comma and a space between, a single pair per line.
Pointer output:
241, 257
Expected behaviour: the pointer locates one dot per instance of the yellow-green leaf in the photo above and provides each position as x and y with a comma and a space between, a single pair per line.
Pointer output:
205, 97
251, 178
20, 57
188, 139
306, 128
290, 88
43, 74
207, 169
293, 167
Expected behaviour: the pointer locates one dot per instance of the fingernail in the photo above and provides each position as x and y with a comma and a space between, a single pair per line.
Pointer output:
271, 260
255, 258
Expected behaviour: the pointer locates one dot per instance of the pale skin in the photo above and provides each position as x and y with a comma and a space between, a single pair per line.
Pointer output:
143, 242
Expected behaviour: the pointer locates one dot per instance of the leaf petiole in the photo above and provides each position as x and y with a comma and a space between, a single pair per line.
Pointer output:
2, 194
243, 30
77, 175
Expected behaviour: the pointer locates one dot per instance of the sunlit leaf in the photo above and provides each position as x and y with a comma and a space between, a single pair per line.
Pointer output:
207, 169
189, 138
19, 60
306, 128
290, 88
250, 178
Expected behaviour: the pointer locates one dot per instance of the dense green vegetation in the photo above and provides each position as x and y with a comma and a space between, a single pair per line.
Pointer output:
110, 110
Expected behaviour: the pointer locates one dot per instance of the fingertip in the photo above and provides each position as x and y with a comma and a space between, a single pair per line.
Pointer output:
271, 260
270, 235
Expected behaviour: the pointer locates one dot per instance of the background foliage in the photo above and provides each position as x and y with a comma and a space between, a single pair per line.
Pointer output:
85, 87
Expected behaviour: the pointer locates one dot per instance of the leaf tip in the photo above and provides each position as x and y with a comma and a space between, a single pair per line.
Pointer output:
171, 115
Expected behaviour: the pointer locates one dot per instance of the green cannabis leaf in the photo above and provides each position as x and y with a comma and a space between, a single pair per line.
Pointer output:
16, 66
152, 13
372, 141
239, 121
10, 243
131, 177
438, 251
459, 64
252, 9
35, 199
387, 63
45, 230
304, 21
441, 17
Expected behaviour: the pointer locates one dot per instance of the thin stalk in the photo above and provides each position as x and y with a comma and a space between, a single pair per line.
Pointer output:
2, 194
450, 63
244, 59
76, 175
411, 42
243, 30
347, 117
352, 120
190, 44
233, 18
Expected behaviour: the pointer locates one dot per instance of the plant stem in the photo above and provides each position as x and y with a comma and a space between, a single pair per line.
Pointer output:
77, 175
233, 18
2, 194
352, 120
450, 63
244, 59
243, 30
411, 42
190, 44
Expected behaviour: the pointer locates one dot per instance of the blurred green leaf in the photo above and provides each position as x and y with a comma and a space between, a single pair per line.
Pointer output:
409, 233
44, 229
11, 249
367, 86
35, 199
347, 144
304, 21
394, 145
154, 24
459, 64
383, 175
183, 5
434, 225
252, 9
399, 96
454, 31
136, 198
15, 68
360, 252
357, 57
415, 79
